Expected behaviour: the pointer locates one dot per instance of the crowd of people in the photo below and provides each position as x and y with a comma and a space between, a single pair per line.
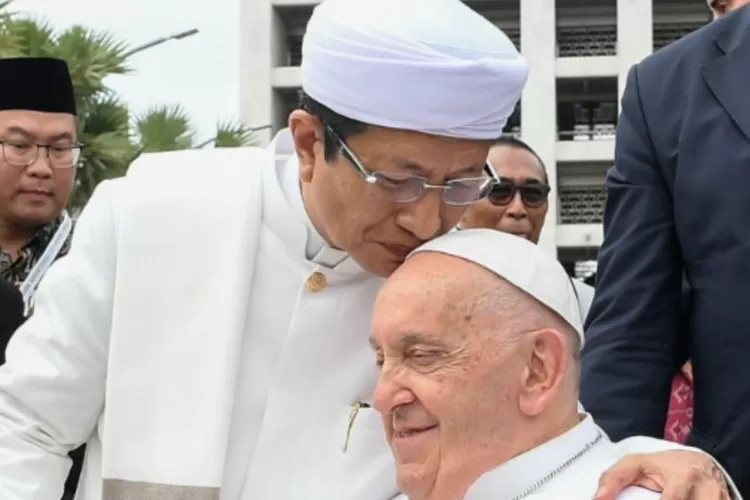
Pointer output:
374, 318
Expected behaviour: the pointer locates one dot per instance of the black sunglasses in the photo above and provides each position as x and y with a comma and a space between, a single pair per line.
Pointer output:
532, 195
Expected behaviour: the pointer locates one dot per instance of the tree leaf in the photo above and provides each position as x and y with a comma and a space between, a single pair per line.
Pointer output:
164, 128
234, 135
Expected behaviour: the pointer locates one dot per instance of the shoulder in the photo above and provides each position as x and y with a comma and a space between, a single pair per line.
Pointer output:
688, 54
210, 174
195, 185
199, 162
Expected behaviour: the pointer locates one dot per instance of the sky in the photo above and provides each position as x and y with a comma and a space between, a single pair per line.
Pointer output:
200, 72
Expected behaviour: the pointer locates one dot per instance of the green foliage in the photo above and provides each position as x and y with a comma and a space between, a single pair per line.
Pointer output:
232, 135
112, 139
164, 128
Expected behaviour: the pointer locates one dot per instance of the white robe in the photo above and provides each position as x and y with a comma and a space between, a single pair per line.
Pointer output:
308, 367
143, 336
579, 480
178, 339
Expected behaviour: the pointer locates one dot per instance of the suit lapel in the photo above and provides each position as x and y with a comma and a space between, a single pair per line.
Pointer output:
728, 76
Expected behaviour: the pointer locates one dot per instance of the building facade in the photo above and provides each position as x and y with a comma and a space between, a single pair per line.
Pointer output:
579, 51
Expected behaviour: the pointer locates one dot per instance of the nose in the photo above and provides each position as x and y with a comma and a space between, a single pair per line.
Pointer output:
41, 168
516, 209
390, 393
422, 217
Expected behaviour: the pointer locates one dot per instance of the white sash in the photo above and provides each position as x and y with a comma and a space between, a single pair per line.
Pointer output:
30, 284
161, 439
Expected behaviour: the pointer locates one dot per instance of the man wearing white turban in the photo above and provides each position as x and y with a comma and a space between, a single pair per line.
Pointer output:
206, 334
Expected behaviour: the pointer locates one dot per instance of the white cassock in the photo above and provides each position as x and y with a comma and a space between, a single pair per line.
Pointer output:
545, 469
567, 467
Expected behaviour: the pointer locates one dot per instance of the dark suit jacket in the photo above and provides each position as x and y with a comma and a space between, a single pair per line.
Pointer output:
679, 198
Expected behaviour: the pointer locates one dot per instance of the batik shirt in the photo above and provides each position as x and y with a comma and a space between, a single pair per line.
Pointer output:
16, 270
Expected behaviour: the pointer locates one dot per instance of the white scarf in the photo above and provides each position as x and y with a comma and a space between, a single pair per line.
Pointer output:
177, 326
55, 245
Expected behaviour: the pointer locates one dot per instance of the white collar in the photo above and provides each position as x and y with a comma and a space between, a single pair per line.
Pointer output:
286, 183
288, 176
522, 472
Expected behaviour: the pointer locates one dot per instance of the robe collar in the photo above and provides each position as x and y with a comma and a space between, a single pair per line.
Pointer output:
522, 472
285, 214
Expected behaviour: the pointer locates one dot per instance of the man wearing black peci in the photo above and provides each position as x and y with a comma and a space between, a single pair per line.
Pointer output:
39, 153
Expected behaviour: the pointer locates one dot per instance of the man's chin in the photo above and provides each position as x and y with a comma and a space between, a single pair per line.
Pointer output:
525, 236
379, 267
414, 480
35, 216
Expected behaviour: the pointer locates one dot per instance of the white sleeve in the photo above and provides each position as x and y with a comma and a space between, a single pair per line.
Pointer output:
642, 444
52, 385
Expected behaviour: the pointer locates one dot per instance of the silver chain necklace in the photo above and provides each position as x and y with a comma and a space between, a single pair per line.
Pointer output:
546, 479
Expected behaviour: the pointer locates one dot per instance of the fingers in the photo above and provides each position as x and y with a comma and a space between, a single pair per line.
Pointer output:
700, 482
680, 491
624, 473
678, 475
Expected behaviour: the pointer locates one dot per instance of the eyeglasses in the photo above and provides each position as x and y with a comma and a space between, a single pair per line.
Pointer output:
406, 188
23, 154
533, 195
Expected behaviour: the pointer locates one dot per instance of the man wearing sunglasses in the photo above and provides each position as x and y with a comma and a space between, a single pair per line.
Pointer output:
517, 204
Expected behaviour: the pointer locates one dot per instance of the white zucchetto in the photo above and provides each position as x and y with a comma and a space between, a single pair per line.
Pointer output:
518, 261
432, 66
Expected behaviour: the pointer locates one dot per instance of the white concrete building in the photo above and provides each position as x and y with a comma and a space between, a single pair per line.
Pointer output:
579, 51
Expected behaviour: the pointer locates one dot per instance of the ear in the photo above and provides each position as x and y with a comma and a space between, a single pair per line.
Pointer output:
547, 360
307, 134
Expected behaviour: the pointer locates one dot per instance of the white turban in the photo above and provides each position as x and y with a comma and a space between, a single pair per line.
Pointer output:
518, 261
432, 66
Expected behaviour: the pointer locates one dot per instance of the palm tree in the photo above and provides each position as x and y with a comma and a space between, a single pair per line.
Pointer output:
169, 128
163, 128
106, 128
8, 40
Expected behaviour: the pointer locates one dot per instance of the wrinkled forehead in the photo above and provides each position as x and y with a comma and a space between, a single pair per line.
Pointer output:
431, 294
36, 125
